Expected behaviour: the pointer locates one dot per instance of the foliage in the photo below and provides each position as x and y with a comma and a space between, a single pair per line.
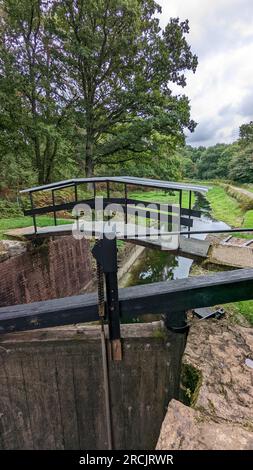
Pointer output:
241, 167
121, 63
9, 209
85, 83
34, 87
163, 163
246, 134
209, 163
221, 161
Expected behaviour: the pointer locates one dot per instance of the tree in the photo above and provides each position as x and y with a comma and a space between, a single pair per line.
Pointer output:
162, 163
241, 168
189, 160
121, 64
37, 92
246, 134
208, 162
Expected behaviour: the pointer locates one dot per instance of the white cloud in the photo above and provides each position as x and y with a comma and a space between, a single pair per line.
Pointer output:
221, 91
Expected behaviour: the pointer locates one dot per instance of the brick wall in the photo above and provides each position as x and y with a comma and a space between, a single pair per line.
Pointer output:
58, 268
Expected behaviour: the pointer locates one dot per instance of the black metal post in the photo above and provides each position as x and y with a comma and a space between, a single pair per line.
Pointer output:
112, 305
53, 201
190, 208
76, 200
180, 206
34, 217
76, 193
126, 204
108, 189
105, 252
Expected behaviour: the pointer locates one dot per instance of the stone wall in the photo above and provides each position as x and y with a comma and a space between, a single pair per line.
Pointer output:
221, 412
58, 268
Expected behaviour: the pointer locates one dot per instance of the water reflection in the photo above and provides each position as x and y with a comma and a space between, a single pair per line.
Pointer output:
155, 265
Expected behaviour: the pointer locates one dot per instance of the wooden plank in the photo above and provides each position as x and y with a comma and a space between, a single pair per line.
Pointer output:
178, 295
87, 370
43, 437
18, 399
139, 386
66, 391
50, 395
8, 433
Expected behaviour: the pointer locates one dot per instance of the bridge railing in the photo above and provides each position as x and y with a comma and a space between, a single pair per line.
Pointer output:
126, 203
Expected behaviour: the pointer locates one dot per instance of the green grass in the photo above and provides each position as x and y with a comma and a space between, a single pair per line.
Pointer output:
224, 207
244, 308
227, 209
248, 219
162, 197
22, 222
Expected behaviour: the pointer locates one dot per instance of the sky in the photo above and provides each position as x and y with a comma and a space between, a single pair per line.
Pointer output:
221, 90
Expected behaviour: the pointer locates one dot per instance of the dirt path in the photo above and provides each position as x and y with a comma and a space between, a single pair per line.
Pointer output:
247, 193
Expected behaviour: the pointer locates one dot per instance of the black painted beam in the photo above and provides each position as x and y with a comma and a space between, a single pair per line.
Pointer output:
157, 298
142, 212
91, 203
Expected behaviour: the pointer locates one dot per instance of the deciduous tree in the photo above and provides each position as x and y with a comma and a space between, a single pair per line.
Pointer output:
122, 65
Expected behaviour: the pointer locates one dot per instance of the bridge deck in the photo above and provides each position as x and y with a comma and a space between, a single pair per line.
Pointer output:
191, 247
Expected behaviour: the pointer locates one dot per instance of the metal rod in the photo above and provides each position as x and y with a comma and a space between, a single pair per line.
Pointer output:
76, 200
190, 207
125, 204
180, 206
121, 236
101, 312
108, 189
76, 193
53, 201
194, 232
34, 217
106, 390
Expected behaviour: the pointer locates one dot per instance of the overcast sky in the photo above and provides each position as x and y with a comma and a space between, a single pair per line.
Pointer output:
221, 91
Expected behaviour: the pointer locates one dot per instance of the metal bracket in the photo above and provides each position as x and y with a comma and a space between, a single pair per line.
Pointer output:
206, 313
105, 253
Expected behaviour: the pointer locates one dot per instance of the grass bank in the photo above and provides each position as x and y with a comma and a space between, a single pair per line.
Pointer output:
22, 222
225, 207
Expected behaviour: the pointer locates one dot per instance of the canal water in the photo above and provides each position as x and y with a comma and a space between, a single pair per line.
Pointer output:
155, 265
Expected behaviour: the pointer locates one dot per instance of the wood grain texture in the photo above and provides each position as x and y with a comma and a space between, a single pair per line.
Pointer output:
52, 391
